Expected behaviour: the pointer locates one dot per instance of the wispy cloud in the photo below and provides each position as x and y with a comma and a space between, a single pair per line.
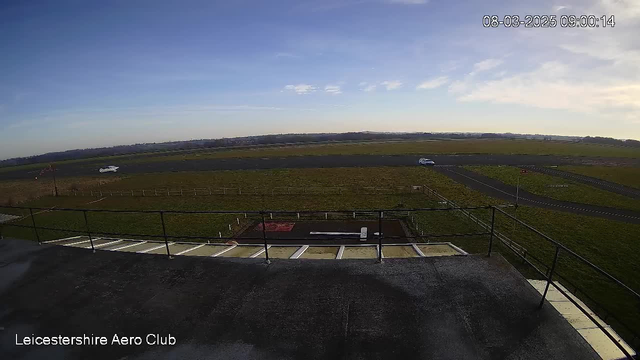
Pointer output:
287, 55
550, 87
301, 89
333, 89
407, 2
391, 84
366, 87
485, 65
433, 83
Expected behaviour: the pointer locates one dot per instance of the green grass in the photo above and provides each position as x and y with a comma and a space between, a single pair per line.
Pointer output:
540, 184
611, 245
474, 146
629, 176
40, 166
412, 147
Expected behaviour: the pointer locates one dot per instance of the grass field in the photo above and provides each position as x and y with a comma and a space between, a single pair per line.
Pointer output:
19, 191
543, 184
476, 146
629, 176
611, 245
414, 147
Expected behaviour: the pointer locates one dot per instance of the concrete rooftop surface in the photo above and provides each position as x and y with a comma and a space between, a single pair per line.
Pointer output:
457, 307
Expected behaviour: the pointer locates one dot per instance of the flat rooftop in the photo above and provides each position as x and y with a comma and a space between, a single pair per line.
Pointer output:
451, 307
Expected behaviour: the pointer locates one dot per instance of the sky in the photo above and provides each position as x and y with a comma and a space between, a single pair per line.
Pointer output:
79, 74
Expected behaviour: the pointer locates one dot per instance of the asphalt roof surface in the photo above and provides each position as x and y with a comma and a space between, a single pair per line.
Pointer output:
456, 307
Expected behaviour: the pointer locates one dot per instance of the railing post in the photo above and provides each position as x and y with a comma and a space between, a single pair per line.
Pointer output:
380, 236
264, 237
86, 224
33, 221
550, 277
164, 233
493, 222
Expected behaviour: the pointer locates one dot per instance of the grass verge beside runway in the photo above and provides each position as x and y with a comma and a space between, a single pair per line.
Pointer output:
609, 244
556, 187
629, 176
475, 146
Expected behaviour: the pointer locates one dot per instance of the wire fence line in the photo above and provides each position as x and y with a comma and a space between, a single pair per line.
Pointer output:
545, 270
548, 271
238, 191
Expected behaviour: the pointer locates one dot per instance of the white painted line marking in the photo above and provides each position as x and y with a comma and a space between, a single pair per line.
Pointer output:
36, 213
417, 249
458, 249
128, 246
259, 252
191, 249
69, 238
153, 248
95, 201
224, 251
340, 252
76, 243
334, 233
105, 244
299, 252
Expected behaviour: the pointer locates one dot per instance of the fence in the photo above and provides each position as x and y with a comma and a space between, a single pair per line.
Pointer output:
549, 271
376, 214
280, 190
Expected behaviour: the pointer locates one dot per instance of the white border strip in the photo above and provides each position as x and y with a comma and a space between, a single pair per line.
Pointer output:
340, 253
76, 243
462, 252
299, 252
153, 248
128, 246
105, 244
224, 251
58, 240
190, 249
417, 249
259, 252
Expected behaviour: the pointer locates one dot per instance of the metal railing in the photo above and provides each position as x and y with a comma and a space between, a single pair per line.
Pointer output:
550, 271
378, 214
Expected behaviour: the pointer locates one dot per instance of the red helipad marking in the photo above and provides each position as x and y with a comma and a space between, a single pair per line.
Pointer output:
276, 226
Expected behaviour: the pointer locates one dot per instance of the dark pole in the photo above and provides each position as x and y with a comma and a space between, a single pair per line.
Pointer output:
86, 222
33, 221
380, 236
493, 221
264, 237
550, 277
55, 185
164, 233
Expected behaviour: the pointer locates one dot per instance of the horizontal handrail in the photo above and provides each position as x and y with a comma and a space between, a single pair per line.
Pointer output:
572, 253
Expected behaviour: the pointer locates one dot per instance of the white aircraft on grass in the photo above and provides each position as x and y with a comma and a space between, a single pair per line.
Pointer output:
110, 168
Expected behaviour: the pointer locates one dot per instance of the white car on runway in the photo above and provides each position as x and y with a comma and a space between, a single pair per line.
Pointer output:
110, 168
426, 162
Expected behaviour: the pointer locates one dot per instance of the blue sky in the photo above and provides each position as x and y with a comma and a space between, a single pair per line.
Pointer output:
78, 74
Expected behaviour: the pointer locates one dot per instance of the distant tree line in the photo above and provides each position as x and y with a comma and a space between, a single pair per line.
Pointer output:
262, 140
611, 141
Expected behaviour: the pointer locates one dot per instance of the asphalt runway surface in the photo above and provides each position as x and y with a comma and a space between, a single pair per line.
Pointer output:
588, 180
333, 161
500, 190
453, 307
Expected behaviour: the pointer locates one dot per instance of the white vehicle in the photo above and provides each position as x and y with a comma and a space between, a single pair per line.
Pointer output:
426, 162
110, 168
